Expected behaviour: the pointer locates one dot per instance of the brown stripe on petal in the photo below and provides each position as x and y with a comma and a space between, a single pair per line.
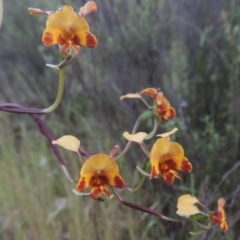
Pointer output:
91, 40
47, 39
216, 218
186, 166
104, 179
153, 173
168, 177
172, 113
76, 48
76, 40
118, 182
81, 184
106, 192
65, 47
224, 226
171, 164
96, 192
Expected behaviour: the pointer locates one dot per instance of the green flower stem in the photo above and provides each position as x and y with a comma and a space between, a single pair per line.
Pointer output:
64, 61
145, 150
155, 127
209, 226
143, 100
143, 172
147, 114
140, 183
61, 83
80, 158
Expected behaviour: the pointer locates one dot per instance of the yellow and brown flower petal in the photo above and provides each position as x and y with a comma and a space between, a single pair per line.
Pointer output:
68, 29
169, 176
151, 92
84, 182
159, 149
113, 179
167, 156
96, 191
99, 170
219, 217
164, 109
162, 105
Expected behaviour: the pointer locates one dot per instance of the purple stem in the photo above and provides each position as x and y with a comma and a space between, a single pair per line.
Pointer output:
134, 206
15, 108
47, 133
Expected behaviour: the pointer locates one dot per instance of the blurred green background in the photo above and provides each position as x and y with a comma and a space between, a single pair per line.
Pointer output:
189, 49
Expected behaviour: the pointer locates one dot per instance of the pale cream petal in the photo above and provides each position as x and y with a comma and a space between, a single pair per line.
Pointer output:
68, 142
186, 206
131, 95
186, 210
137, 137
167, 134
187, 199
37, 11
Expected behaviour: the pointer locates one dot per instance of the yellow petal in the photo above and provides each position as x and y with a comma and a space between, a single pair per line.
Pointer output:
167, 134
137, 137
68, 142
185, 210
159, 148
131, 95
114, 180
176, 158
100, 163
51, 37
186, 206
67, 21
175, 149
86, 39
187, 199
83, 182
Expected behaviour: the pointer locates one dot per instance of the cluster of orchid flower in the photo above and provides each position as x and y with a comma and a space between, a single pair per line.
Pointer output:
100, 172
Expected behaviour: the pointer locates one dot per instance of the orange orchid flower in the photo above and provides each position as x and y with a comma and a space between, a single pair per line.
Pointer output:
68, 28
219, 217
162, 105
165, 157
97, 172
